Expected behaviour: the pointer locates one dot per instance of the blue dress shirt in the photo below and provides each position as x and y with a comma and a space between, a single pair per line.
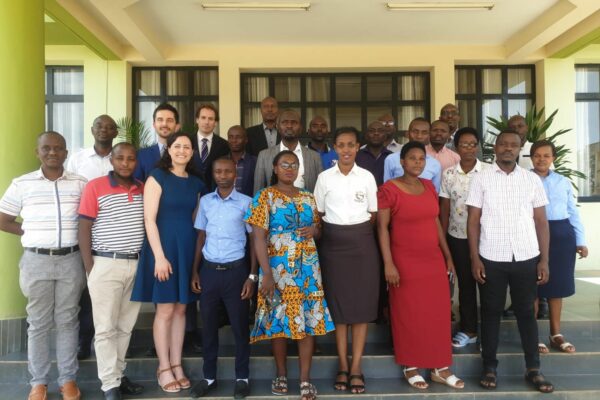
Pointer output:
223, 222
562, 204
328, 158
432, 171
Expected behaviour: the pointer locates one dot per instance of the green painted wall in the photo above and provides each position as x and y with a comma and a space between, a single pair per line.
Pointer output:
22, 116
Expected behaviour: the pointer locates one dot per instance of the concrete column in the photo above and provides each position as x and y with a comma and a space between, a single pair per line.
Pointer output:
22, 116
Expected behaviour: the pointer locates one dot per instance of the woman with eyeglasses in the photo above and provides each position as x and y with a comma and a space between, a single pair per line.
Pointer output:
417, 268
291, 301
346, 197
456, 182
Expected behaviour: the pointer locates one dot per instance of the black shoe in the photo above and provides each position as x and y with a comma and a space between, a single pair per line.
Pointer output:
242, 389
508, 312
151, 352
84, 352
202, 388
112, 394
129, 387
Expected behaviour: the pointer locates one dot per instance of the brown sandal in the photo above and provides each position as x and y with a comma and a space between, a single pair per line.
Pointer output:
279, 386
184, 383
171, 387
308, 391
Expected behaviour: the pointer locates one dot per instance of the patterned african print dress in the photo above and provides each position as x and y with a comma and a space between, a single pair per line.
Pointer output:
295, 265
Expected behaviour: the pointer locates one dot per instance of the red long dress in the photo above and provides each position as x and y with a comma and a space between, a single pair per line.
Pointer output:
420, 306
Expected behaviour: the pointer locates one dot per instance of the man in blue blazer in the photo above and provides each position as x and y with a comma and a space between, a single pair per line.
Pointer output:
165, 121
208, 146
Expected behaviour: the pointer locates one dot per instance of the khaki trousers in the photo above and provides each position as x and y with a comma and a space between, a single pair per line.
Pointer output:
110, 284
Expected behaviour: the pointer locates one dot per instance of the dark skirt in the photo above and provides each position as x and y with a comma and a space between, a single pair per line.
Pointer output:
350, 265
561, 260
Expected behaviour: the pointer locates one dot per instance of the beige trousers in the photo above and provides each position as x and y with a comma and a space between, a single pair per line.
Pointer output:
110, 284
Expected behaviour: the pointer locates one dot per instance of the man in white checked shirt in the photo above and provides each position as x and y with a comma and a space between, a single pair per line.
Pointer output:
51, 271
508, 240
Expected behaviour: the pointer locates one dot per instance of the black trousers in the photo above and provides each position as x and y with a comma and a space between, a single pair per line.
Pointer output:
86, 321
521, 277
467, 286
226, 286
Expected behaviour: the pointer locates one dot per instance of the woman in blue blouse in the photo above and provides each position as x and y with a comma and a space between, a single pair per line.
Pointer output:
566, 240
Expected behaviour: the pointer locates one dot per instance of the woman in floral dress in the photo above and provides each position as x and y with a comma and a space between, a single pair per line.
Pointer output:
291, 302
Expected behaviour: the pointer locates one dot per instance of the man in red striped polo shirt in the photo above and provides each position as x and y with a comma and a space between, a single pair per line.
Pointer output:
111, 233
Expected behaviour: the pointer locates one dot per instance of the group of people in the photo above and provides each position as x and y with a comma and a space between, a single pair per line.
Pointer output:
318, 233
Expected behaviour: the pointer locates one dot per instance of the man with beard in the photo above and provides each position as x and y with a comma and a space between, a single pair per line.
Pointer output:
390, 130
111, 233
264, 135
92, 163
437, 149
165, 121
289, 128
450, 115
318, 132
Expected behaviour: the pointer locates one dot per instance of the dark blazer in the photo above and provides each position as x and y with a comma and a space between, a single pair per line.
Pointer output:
147, 158
218, 148
257, 140
313, 166
248, 175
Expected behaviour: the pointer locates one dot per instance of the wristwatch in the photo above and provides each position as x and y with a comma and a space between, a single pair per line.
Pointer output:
253, 277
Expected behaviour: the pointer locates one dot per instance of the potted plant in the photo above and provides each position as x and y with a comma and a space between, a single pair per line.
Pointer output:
134, 132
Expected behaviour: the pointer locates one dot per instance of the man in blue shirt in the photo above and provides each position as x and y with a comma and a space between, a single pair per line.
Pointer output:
220, 273
418, 131
318, 132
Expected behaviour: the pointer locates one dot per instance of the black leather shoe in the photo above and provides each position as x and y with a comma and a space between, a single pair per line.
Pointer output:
112, 394
242, 389
202, 388
129, 387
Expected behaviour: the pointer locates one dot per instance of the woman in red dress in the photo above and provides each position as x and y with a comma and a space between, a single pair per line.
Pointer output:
417, 268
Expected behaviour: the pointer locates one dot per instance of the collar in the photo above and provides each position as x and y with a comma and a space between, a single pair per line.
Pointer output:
242, 158
310, 146
393, 143
476, 168
40, 174
496, 168
283, 147
90, 152
203, 136
265, 127
430, 148
353, 170
113, 182
384, 151
234, 195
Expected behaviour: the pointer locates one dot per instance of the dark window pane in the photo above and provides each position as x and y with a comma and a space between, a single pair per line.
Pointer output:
148, 83
347, 88
411, 87
348, 116
177, 83
206, 82
379, 88
287, 89
465, 81
252, 116
317, 88
491, 81
468, 113
519, 81
256, 88
373, 113
312, 112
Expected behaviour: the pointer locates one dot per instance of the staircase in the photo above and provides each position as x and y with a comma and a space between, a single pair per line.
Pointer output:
575, 376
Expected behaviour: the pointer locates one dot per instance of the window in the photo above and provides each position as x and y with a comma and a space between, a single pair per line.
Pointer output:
343, 99
64, 104
494, 91
185, 88
587, 128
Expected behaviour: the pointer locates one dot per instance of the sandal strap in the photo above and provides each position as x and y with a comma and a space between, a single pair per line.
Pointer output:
438, 370
555, 336
452, 380
406, 369
307, 389
416, 378
565, 345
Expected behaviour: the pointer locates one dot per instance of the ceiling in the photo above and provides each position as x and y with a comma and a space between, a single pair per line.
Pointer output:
152, 29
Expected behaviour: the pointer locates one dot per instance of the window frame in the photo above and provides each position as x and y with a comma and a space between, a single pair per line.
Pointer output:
586, 97
163, 97
363, 103
51, 98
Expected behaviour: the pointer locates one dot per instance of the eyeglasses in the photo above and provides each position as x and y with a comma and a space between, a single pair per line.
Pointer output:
387, 123
467, 145
285, 165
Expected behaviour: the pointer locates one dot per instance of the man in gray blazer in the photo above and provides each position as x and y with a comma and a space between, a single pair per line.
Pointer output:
289, 128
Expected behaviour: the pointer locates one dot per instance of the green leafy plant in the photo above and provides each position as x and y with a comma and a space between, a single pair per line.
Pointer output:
538, 130
134, 132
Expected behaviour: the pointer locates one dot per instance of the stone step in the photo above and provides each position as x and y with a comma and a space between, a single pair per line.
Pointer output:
585, 387
378, 362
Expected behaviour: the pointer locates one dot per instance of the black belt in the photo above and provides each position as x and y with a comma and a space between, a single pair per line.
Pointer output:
225, 266
63, 251
116, 256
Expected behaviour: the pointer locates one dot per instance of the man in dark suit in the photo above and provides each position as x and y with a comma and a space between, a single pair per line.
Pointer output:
165, 121
245, 163
289, 127
264, 135
208, 146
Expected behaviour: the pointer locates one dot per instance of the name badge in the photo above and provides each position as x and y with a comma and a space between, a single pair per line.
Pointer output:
360, 197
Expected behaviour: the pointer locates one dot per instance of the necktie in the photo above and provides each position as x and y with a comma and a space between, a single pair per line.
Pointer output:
204, 150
